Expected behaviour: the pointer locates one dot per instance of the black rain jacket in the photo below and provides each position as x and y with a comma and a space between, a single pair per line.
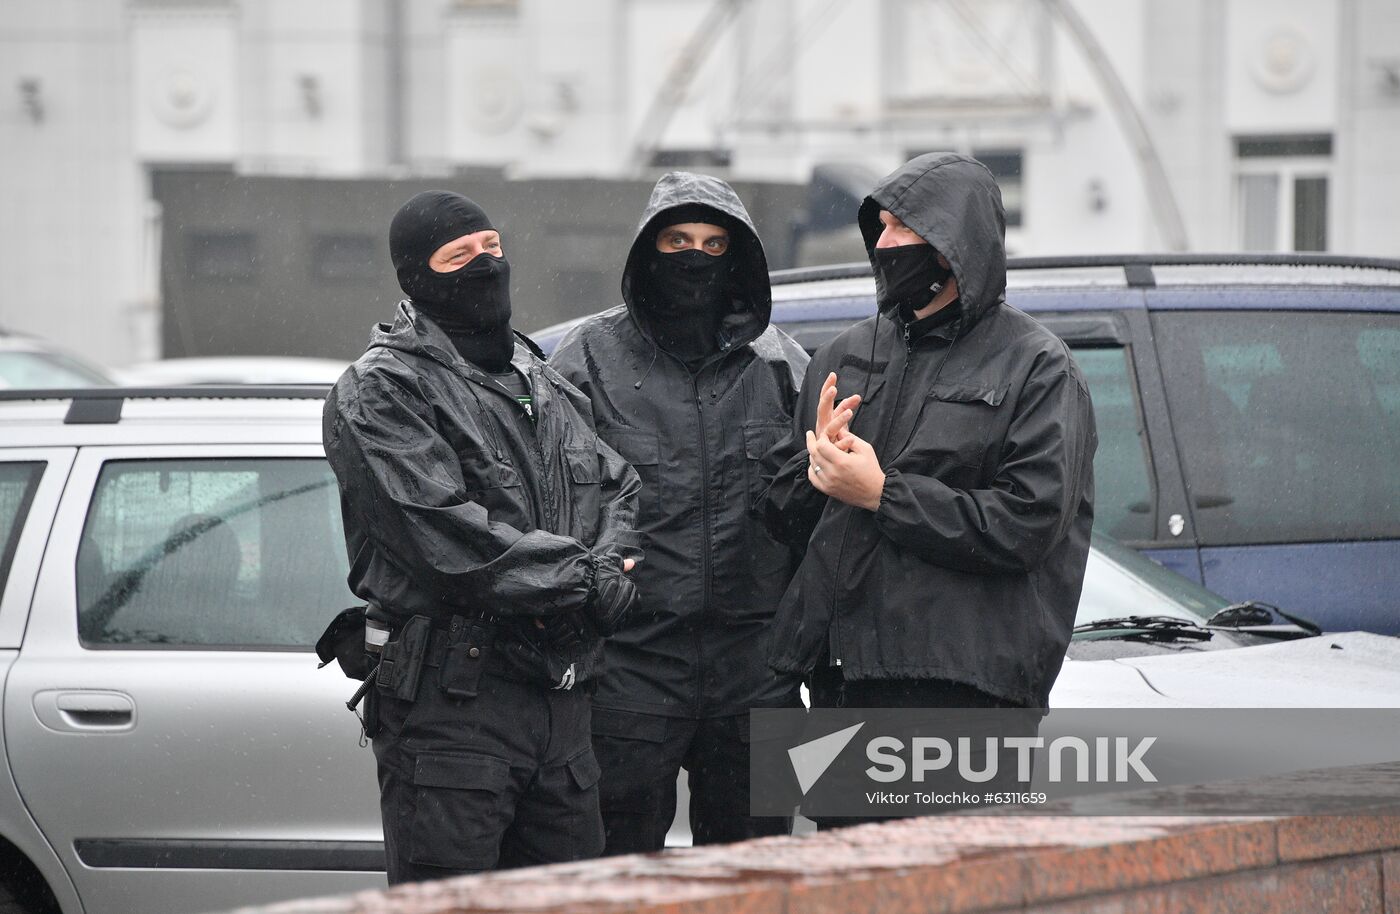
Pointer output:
697, 643
456, 503
970, 569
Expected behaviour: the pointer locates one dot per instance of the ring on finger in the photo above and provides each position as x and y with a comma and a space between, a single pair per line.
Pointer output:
816, 468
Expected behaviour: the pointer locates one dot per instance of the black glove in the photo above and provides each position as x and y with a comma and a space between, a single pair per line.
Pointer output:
612, 596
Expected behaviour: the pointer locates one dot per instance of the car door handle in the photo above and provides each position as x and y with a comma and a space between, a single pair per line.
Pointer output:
73, 710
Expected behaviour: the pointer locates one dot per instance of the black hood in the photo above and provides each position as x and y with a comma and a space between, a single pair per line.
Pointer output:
952, 202
753, 298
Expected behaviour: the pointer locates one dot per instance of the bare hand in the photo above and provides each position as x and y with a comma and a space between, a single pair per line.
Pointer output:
830, 421
848, 472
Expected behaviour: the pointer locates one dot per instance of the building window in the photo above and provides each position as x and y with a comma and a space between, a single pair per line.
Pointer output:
1005, 166
691, 158
222, 255
346, 257
1282, 191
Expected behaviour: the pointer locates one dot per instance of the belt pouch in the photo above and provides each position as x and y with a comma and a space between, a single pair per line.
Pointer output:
459, 676
402, 664
370, 721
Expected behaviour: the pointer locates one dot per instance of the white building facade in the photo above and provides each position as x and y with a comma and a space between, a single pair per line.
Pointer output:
1200, 124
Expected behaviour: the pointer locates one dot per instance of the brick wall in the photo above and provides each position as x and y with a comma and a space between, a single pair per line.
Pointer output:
1051, 864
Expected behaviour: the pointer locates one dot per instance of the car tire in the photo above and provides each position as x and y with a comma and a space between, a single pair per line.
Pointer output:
24, 891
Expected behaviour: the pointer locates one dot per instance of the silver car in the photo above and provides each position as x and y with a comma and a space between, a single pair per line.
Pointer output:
27, 362
168, 558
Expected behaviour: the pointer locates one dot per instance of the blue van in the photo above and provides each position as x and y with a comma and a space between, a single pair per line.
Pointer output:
1248, 409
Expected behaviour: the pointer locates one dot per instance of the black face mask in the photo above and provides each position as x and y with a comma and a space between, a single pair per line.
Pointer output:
472, 303
688, 283
908, 276
474, 298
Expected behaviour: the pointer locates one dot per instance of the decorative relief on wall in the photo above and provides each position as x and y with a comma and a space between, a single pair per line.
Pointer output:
1283, 61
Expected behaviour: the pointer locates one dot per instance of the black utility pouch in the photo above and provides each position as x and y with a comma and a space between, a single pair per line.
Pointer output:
344, 642
370, 722
402, 664
460, 674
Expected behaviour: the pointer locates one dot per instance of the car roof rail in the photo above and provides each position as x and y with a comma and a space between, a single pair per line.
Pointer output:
103, 405
1137, 268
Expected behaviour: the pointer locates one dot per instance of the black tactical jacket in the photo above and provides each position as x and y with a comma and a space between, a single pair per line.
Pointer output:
971, 567
696, 645
455, 501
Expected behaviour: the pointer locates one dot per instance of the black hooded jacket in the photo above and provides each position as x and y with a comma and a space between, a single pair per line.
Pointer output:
697, 643
970, 569
456, 503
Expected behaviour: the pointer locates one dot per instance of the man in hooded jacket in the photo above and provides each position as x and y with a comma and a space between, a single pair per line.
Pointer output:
945, 506
486, 524
692, 385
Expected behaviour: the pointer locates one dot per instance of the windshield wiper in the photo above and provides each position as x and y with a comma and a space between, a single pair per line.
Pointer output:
1252, 615
1149, 628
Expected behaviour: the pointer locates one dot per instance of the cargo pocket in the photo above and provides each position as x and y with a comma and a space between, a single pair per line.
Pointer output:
627, 743
500, 492
750, 588
584, 770
586, 837
642, 450
760, 437
586, 489
954, 427
460, 810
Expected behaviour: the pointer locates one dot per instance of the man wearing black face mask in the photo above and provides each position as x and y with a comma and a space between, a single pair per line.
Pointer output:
945, 508
692, 385
486, 525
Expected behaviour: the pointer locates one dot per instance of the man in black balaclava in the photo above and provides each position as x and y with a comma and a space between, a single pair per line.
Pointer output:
692, 385
944, 509
486, 524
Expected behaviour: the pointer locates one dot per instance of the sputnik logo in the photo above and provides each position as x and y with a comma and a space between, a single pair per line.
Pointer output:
811, 759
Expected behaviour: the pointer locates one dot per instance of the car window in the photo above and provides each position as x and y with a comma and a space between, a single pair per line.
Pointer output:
18, 482
1288, 423
1121, 582
1124, 501
45, 369
1124, 494
232, 553
812, 335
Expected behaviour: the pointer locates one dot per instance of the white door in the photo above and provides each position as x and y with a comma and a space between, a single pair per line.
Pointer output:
167, 726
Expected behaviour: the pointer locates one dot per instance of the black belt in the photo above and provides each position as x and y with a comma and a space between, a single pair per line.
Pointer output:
453, 631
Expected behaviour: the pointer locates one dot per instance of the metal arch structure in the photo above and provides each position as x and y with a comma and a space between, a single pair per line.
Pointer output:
1154, 176
1161, 198
668, 97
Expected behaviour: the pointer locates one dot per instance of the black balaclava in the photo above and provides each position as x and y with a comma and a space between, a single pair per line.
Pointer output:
908, 277
472, 303
688, 293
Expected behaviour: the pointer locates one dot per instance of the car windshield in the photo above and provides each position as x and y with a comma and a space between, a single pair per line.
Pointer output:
45, 369
1120, 582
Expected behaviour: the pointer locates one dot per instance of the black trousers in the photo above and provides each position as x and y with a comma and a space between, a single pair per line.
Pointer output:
502, 780
829, 689
641, 756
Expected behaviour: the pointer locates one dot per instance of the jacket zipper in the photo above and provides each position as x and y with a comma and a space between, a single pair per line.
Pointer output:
899, 391
542, 512
545, 511
846, 529
536, 426
705, 558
